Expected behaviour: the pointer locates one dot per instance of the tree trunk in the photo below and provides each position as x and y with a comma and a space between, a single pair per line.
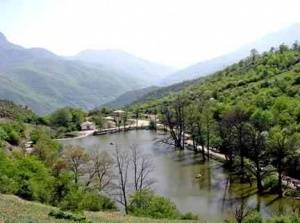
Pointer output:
258, 181
280, 192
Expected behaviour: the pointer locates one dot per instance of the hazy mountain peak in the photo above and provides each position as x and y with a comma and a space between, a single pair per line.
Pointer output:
130, 65
41, 52
287, 35
2, 38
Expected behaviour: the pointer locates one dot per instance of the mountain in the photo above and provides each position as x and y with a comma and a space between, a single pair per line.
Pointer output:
44, 81
129, 97
269, 82
287, 35
9, 110
127, 64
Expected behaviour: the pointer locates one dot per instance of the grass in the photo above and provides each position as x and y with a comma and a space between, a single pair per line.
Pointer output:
16, 210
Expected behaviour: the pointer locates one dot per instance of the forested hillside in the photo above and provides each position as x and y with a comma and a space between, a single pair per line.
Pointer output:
248, 111
259, 81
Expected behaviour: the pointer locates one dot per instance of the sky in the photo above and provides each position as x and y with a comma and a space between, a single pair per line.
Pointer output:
172, 32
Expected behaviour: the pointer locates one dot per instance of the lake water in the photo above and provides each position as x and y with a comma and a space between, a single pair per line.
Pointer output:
212, 196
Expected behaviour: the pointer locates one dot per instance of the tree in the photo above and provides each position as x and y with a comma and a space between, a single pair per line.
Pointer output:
282, 144
208, 120
257, 133
99, 171
174, 116
194, 122
227, 137
257, 145
122, 162
142, 168
242, 211
76, 158
254, 54
136, 116
98, 120
45, 148
238, 118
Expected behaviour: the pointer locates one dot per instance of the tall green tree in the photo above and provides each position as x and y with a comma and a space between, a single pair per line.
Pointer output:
282, 144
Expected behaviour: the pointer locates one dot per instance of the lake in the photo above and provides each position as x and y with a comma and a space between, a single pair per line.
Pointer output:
213, 196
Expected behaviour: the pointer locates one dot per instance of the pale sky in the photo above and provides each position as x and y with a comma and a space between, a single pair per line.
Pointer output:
172, 32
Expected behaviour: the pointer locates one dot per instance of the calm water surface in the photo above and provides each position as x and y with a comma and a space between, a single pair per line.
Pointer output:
212, 196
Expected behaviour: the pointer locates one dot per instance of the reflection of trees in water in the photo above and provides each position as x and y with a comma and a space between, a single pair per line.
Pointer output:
237, 195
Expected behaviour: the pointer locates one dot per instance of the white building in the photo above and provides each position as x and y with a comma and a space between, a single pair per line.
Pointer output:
87, 126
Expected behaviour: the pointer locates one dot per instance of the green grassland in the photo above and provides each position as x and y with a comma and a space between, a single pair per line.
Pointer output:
16, 210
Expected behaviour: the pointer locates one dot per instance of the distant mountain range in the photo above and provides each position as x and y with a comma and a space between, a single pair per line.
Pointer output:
129, 97
127, 64
44, 81
287, 35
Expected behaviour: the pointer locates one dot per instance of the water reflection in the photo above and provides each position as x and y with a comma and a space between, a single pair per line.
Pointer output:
213, 194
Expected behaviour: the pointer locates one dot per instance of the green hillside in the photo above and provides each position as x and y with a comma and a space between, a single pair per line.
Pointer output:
44, 81
260, 95
9, 110
14, 209
261, 81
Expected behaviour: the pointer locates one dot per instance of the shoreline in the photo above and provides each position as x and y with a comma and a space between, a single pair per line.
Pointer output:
189, 143
142, 124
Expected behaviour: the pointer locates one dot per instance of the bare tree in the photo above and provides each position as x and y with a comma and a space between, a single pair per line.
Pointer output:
133, 173
142, 168
174, 118
99, 171
77, 158
122, 162
242, 211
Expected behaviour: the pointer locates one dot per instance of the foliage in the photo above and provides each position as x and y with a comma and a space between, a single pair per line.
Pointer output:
69, 118
146, 203
10, 110
12, 132
45, 148
263, 86
97, 202
67, 216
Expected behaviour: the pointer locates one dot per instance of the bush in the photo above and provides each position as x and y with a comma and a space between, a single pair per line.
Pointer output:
254, 217
285, 219
270, 182
189, 216
96, 202
34, 179
72, 201
66, 216
146, 204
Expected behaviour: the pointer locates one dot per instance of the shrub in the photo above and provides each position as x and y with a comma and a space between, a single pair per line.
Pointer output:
270, 182
254, 217
66, 216
189, 216
13, 137
146, 204
72, 201
96, 202
34, 179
